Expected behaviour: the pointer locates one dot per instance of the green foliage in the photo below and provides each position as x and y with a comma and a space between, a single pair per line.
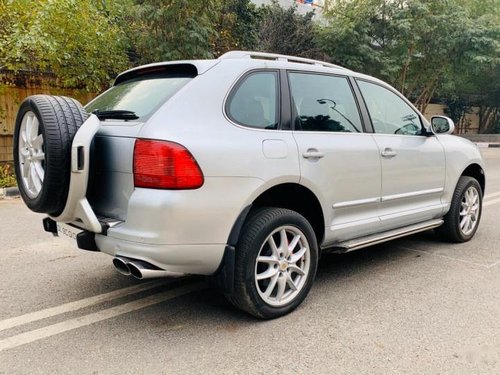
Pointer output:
283, 30
237, 26
428, 49
7, 176
425, 48
76, 41
171, 29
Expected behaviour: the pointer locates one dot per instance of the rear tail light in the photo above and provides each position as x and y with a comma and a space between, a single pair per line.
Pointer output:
165, 165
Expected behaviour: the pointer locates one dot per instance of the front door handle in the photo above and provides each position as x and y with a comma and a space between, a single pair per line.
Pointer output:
312, 153
388, 153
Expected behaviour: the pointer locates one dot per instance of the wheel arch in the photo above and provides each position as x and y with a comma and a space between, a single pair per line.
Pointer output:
477, 172
280, 196
285, 195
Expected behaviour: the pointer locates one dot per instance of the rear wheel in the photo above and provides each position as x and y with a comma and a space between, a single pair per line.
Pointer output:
44, 131
462, 220
276, 261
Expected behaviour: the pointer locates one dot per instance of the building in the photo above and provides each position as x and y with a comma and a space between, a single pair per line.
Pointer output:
303, 6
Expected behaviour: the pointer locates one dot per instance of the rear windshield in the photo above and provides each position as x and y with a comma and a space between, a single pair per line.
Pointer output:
142, 95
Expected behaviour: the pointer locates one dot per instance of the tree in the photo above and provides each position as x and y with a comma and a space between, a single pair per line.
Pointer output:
72, 40
283, 30
422, 47
236, 26
171, 29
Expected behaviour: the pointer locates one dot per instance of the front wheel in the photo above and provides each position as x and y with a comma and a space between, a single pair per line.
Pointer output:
276, 261
462, 220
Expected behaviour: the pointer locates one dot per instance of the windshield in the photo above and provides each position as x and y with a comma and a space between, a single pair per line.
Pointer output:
142, 95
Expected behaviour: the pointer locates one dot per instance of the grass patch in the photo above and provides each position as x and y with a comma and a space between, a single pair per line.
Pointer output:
7, 175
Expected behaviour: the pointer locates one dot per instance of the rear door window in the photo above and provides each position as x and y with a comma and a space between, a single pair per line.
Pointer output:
324, 103
254, 101
142, 95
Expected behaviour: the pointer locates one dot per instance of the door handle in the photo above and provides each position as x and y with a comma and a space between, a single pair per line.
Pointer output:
312, 153
388, 153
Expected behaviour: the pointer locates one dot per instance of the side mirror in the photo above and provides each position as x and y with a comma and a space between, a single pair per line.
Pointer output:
442, 125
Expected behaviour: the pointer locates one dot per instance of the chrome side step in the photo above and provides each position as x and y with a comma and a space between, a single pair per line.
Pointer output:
359, 243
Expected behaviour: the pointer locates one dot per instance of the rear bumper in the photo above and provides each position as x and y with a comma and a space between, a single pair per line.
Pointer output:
199, 259
182, 231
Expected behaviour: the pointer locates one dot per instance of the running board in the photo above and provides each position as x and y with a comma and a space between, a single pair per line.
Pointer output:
359, 243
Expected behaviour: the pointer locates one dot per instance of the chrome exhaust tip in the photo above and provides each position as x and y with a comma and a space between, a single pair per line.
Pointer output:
144, 270
141, 269
122, 266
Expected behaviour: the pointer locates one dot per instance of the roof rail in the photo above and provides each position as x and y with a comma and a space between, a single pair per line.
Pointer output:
276, 57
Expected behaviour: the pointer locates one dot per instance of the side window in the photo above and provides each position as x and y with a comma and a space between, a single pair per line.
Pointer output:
254, 103
324, 103
389, 113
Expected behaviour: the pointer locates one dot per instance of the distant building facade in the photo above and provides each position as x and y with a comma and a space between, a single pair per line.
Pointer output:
303, 6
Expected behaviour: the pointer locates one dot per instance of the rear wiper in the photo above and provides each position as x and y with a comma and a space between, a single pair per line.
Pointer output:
117, 114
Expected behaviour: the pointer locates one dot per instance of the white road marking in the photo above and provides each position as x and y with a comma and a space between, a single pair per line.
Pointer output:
491, 202
76, 305
494, 264
82, 321
488, 196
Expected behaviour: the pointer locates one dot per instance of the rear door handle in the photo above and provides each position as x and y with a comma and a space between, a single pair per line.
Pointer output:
312, 153
388, 153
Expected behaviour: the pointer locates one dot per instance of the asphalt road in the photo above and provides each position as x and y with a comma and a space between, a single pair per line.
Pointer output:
412, 306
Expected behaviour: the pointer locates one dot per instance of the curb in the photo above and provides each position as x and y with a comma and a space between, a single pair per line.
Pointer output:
10, 192
487, 145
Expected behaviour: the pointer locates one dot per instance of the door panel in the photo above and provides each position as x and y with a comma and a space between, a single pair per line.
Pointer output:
412, 179
338, 162
413, 165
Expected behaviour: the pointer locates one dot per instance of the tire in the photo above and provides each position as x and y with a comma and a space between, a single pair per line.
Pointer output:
255, 241
466, 204
44, 131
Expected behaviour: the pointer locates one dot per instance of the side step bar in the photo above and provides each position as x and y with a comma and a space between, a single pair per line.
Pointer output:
359, 243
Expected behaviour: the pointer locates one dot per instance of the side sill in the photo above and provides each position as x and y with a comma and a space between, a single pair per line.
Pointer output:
362, 242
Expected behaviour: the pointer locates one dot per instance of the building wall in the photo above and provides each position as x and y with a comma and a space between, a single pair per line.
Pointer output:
10, 100
469, 124
5, 148
303, 6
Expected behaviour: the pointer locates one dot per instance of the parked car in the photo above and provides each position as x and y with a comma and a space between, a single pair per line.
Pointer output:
246, 168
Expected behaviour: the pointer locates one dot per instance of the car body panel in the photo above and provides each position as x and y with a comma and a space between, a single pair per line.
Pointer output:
347, 181
412, 180
186, 231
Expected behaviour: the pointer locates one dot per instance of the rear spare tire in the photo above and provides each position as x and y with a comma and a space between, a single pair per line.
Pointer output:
44, 131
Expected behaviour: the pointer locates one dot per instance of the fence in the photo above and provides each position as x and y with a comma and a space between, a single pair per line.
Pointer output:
10, 99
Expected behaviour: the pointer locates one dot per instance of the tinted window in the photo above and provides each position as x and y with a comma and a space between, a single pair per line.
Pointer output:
142, 95
255, 100
389, 113
324, 103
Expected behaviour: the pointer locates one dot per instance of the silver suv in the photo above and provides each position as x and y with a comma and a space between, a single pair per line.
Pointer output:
246, 168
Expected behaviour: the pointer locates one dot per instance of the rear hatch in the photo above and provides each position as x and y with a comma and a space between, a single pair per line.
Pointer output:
123, 110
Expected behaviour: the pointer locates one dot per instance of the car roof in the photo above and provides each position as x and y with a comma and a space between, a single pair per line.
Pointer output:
254, 60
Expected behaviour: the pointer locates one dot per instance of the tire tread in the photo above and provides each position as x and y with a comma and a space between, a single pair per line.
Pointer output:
60, 118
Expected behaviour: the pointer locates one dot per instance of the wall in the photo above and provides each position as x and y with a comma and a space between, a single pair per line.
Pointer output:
5, 148
469, 124
11, 98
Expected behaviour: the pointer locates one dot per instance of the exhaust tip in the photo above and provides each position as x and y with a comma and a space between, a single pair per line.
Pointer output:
134, 271
121, 266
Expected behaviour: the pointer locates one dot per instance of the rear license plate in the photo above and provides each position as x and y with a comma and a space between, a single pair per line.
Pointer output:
67, 231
